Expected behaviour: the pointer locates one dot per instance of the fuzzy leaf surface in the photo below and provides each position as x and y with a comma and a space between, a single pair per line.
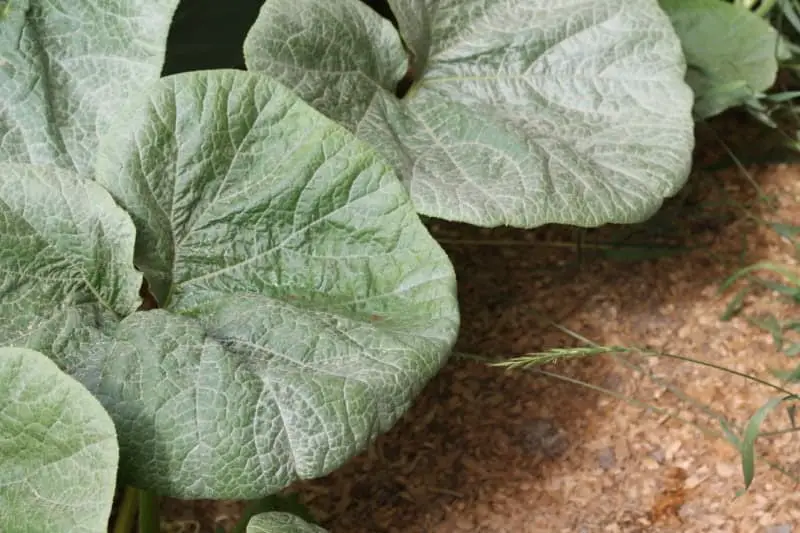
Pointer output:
523, 113
67, 66
58, 450
309, 304
66, 261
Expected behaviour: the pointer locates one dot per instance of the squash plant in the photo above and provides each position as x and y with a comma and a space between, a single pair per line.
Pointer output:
524, 112
60, 456
732, 54
519, 112
209, 290
58, 449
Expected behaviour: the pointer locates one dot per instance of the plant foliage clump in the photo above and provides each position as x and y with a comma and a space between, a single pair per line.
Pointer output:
520, 113
216, 282
301, 302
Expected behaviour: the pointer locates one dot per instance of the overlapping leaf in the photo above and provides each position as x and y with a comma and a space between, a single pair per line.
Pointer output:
66, 260
310, 303
58, 449
732, 53
523, 112
66, 67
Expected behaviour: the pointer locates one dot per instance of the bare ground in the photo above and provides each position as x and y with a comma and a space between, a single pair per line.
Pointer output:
489, 451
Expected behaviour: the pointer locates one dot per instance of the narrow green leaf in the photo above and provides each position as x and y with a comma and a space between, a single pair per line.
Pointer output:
787, 231
729, 434
749, 436
770, 324
735, 304
788, 272
790, 11
58, 450
783, 289
787, 376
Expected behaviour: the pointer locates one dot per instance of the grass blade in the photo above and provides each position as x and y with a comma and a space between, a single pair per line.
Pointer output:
751, 432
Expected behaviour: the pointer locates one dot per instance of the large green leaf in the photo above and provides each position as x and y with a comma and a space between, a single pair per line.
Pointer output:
524, 112
58, 450
315, 303
281, 523
65, 68
732, 53
66, 253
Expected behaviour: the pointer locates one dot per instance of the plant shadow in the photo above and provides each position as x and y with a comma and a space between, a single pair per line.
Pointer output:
480, 436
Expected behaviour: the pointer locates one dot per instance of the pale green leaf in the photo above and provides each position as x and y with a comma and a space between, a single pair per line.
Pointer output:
281, 523
65, 68
524, 112
58, 450
323, 304
66, 258
732, 53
